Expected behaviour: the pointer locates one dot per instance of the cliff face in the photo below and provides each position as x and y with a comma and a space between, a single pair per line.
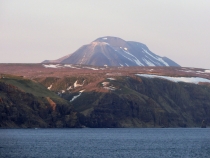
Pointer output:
104, 97
133, 101
147, 103
19, 108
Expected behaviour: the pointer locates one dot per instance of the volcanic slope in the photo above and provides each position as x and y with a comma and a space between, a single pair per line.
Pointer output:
114, 51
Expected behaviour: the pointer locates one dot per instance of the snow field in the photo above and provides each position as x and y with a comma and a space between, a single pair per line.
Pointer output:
194, 80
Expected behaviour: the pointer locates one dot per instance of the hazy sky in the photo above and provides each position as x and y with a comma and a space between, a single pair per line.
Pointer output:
34, 30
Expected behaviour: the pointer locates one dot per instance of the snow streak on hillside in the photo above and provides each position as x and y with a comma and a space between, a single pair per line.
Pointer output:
194, 80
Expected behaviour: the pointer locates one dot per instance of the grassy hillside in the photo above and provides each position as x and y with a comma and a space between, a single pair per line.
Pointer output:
26, 103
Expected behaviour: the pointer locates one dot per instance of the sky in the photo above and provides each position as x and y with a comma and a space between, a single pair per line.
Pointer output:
32, 31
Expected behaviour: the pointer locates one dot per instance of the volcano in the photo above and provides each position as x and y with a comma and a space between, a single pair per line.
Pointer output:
114, 51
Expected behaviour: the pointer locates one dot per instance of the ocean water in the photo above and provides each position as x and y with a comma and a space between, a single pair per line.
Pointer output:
105, 143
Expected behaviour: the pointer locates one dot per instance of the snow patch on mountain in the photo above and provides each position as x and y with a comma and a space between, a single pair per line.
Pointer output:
49, 87
195, 71
105, 83
91, 68
82, 91
66, 65
55, 66
148, 62
127, 57
78, 85
161, 60
126, 64
70, 87
76, 96
106, 86
156, 58
52, 66
135, 59
194, 80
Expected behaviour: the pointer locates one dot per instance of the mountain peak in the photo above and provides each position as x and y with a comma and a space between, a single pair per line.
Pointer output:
114, 41
114, 51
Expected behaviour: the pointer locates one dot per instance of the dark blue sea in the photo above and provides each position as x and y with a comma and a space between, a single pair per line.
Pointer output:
105, 143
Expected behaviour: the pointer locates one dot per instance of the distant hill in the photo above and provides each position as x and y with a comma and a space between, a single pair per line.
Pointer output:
114, 51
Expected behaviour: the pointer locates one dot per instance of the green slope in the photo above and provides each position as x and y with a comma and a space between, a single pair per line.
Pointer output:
26, 103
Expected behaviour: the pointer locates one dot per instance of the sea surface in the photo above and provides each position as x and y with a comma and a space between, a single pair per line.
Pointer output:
105, 143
